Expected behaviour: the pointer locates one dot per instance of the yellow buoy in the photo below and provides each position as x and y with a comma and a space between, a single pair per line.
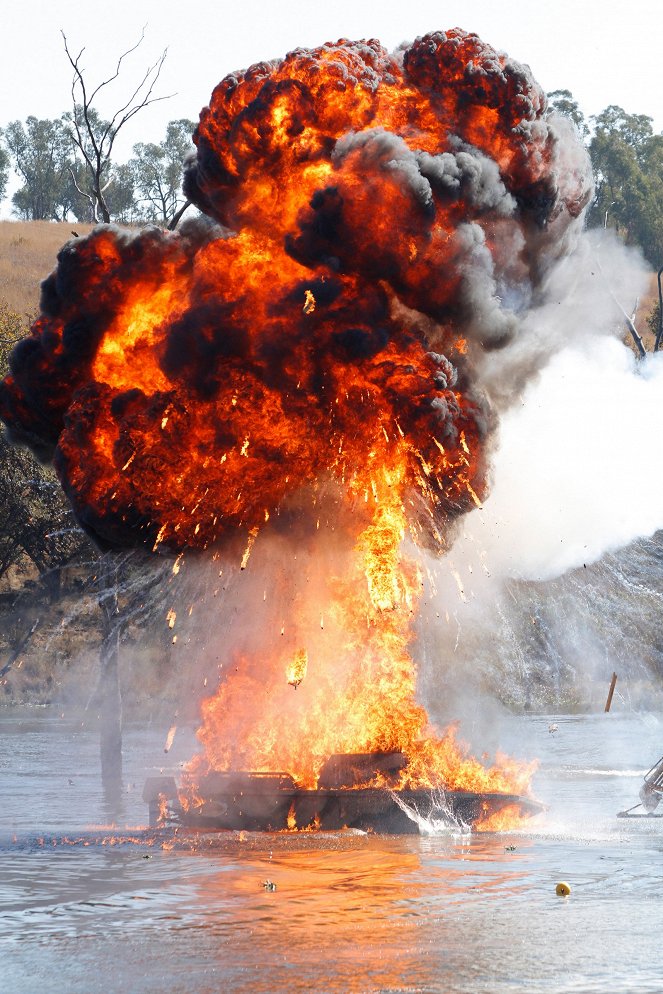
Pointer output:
562, 889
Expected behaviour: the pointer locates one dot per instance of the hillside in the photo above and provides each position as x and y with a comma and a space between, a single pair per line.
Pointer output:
60, 661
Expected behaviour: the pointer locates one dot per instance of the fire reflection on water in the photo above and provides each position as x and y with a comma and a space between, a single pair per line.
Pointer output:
350, 913
368, 903
363, 897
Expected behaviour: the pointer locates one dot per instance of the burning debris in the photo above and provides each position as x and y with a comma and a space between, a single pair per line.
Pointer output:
297, 669
355, 792
376, 226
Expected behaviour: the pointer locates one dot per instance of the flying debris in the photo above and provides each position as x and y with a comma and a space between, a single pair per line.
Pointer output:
297, 668
303, 365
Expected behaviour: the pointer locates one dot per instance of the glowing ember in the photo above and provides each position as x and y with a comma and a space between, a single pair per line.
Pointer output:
296, 670
170, 738
385, 218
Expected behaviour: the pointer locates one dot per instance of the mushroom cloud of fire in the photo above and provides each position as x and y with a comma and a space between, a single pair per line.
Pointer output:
372, 223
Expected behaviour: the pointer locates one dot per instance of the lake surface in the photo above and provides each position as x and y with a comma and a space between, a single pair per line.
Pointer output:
87, 908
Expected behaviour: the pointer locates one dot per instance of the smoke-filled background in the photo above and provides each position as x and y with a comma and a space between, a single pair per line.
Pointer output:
390, 293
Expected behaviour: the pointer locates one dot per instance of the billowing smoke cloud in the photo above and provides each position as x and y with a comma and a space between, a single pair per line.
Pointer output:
553, 583
578, 460
380, 226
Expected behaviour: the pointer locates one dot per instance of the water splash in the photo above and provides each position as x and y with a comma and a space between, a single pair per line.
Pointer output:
440, 818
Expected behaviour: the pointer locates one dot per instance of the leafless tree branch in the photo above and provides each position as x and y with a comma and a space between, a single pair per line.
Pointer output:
96, 147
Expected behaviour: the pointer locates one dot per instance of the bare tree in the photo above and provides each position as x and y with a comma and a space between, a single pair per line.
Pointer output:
93, 137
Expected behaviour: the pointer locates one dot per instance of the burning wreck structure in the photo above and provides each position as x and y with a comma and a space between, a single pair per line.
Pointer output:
301, 370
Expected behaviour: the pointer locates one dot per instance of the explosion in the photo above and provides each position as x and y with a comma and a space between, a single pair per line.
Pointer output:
306, 354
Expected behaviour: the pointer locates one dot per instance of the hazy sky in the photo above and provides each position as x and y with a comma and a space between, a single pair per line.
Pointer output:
603, 51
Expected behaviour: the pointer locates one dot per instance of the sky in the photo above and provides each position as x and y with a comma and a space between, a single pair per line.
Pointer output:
602, 51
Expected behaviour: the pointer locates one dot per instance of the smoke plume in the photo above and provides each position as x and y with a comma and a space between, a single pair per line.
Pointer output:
379, 223
309, 379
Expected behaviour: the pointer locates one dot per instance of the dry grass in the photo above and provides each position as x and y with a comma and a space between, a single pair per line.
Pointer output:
28, 251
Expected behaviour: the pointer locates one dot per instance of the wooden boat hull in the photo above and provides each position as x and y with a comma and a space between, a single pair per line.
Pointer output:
267, 804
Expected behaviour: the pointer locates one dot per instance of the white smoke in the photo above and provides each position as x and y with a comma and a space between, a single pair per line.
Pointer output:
579, 470
577, 474
579, 465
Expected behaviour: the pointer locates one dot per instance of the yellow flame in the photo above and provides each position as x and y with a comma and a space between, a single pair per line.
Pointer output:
297, 667
309, 302
253, 534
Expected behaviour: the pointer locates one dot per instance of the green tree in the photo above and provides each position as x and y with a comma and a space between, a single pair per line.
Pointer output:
627, 158
120, 195
4, 168
157, 171
564, 103
634, 129
654, 320
42, 156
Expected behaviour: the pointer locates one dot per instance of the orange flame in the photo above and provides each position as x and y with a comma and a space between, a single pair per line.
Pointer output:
170, 737
313, 357
297, 668
506, 819
361, 697
162, 816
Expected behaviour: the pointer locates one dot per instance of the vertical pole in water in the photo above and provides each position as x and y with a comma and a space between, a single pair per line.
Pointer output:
611, 692
109, 682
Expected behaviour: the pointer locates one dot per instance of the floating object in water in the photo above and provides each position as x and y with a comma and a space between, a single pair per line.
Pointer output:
552, 727
650, 794
346, 797
562, 889
269, 885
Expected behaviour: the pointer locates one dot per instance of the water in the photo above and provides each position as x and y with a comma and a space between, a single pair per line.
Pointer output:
351, 913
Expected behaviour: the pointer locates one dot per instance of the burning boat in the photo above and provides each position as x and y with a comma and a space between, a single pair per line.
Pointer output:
301, 389
354, 791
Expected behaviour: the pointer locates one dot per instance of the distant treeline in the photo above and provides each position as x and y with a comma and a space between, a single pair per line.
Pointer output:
626, 155
627, 160
56, 182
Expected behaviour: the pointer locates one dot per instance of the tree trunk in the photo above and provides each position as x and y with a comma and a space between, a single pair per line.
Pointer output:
110, 696
177, 217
